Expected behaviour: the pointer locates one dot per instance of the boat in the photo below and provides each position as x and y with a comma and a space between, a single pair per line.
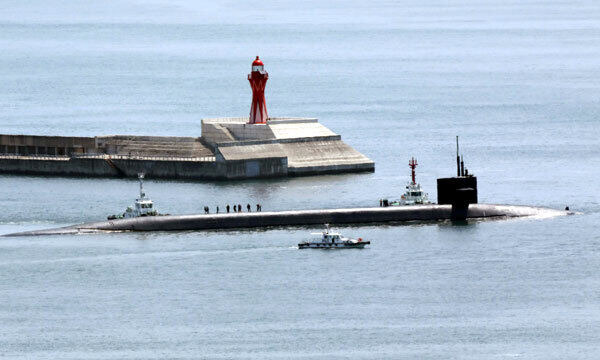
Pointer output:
331, 240
143, 206
414, 194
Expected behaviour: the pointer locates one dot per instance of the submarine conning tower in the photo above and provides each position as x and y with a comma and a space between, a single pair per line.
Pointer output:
459, 191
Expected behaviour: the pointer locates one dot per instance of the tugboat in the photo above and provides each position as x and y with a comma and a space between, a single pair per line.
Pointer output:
143, 206
331, 240
414, 194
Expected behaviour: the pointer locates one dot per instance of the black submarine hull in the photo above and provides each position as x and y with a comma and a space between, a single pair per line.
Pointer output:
427, 212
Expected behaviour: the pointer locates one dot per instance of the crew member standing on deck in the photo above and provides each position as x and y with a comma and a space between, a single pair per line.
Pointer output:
227, 207
248, 207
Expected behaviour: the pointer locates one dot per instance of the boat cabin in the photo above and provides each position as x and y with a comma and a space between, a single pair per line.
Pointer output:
331, 238
414, 195
142, 207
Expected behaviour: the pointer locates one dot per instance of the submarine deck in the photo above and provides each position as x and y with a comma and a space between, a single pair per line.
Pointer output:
429, 212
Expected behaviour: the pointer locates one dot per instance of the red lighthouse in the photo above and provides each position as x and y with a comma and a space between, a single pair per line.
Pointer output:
258, 80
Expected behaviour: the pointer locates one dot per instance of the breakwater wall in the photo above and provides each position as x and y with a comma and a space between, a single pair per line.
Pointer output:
229, 148
113, 166
430, 212
205, 168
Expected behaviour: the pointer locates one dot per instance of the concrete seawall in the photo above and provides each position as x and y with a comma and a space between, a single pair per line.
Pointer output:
114, 166
294, 218
176, 168
229, 148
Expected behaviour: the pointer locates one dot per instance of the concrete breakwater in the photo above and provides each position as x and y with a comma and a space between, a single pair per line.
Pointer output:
229, 148
430, 212
112, 166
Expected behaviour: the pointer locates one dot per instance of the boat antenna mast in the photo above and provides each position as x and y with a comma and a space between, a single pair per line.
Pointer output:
141, 179
413, 164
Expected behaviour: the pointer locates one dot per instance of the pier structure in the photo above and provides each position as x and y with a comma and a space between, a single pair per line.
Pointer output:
228, 148
291, 146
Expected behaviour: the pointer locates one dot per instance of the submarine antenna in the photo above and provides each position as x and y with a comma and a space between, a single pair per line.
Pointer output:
457, 158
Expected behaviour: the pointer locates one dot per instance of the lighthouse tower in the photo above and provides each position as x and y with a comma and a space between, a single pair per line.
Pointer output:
258, 80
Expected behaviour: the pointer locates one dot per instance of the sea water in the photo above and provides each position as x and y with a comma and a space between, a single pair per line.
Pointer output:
519, 81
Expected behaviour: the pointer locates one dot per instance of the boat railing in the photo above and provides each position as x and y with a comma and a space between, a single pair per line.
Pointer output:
34, 157
106, 156
144, 157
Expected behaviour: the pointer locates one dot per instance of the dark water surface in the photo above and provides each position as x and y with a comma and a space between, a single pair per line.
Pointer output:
518, 80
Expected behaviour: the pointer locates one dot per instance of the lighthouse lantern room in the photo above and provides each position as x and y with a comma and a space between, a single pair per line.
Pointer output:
258, 80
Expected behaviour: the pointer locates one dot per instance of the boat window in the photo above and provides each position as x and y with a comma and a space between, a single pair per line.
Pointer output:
416, 193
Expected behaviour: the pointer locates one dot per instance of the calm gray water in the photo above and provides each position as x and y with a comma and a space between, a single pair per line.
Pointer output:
518, 80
